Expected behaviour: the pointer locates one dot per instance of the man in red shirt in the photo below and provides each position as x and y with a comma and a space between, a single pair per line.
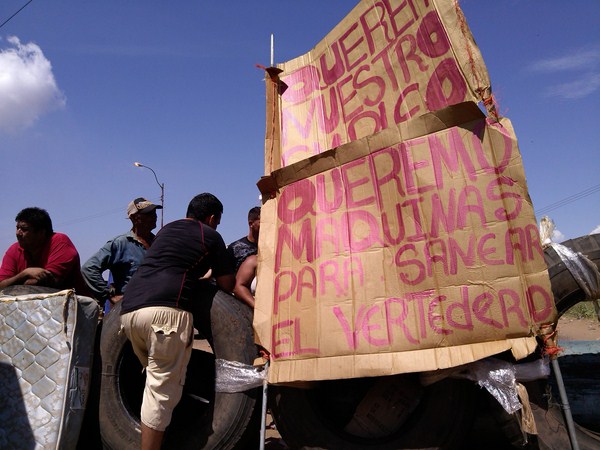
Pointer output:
40, 256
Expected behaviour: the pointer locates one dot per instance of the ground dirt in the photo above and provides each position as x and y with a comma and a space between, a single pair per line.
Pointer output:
574, 329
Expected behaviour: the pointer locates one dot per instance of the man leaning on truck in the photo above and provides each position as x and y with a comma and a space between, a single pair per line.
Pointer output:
41, 257
123, 254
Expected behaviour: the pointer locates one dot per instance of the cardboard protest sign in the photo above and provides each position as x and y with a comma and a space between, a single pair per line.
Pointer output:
415, 244
386, 62
397, 234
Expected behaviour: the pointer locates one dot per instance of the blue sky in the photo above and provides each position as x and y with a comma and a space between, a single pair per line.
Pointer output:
88, 88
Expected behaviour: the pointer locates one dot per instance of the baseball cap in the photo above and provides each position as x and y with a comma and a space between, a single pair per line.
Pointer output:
141, 205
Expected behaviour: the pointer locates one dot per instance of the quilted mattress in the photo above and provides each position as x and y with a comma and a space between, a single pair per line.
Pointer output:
46, 354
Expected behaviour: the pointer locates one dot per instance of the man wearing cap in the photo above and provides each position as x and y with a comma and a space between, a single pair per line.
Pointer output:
123, 254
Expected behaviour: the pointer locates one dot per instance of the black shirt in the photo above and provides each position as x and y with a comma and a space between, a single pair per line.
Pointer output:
181, 253
241, 249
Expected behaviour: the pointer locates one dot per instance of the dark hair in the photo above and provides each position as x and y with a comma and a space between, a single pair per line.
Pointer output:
203, 206
38, 218
254, 213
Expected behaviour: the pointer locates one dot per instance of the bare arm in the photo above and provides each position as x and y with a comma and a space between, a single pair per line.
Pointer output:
243, 280
226, 282
31, 275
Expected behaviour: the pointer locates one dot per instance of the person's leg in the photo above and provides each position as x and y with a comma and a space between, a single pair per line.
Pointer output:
136, 331
136, 326
169, 343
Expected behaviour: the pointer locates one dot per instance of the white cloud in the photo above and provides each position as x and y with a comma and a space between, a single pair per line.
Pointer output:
27, 86
595, 230
581, 66
582, 87
582, 59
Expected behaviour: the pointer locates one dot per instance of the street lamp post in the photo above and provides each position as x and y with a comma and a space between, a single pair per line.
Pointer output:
162, 191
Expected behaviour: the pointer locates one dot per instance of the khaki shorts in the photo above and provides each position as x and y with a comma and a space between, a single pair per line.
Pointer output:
162, 339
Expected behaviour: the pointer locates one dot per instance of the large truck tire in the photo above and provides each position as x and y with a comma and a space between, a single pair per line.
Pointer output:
221, 423
567, 291
26, 289
340, 414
